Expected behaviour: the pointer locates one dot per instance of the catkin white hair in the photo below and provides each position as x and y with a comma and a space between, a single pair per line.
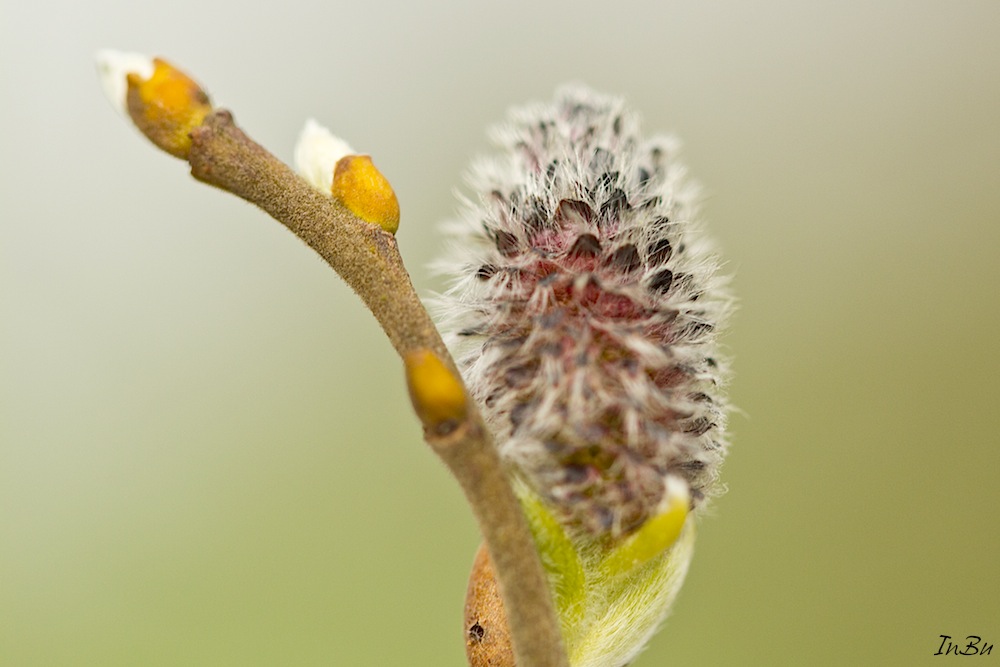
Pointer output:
585, 309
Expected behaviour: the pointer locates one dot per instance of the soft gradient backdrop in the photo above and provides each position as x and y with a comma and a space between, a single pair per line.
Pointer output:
206, 452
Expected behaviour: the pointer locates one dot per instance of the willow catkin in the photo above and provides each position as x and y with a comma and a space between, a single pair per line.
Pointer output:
585, 310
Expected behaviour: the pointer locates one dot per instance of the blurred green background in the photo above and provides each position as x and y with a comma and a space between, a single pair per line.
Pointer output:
206, 451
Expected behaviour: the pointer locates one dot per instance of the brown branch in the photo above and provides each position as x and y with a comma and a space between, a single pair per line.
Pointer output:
368, 259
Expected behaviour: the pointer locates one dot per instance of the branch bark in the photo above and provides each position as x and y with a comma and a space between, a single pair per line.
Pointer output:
368, 259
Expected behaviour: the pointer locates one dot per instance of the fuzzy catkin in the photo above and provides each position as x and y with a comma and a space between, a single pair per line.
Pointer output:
584, 312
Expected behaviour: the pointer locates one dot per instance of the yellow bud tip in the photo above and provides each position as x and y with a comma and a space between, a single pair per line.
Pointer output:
657, 535
437, 393
365, 192
166, 106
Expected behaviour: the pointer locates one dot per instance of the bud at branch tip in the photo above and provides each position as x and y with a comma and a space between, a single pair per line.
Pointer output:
163, 102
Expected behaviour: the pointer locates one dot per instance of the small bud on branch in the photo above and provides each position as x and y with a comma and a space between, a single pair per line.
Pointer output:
333, 168
365, 192
437, 393
487, 634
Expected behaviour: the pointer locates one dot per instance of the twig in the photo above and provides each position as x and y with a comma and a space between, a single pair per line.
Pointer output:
368, 259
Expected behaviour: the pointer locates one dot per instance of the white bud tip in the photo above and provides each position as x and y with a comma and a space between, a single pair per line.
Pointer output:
113, 67
316, 154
